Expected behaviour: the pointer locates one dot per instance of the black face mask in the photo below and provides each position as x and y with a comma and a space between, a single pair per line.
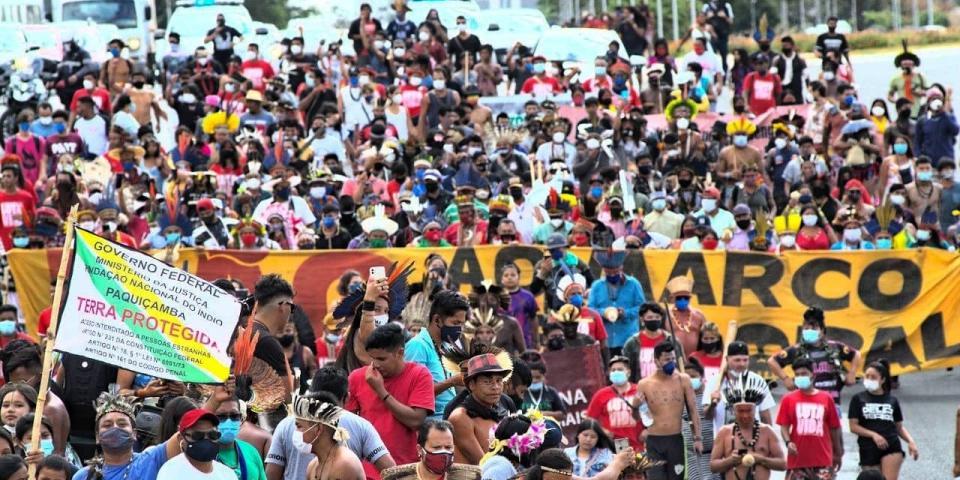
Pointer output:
739, 108
743, 224
286, 340
432, 187
787, 51
710, 347
764, 46
556, 343
516, 193
645, 169
652, 325
616, 212
139, 84
819, 190
685, 182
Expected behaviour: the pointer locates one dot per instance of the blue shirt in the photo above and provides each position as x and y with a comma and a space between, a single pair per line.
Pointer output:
144, 466
420, 349
629, 297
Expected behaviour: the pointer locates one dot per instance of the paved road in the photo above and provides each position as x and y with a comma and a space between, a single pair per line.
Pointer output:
929, 401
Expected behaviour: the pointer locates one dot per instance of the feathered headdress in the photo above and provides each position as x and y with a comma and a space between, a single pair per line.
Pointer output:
489, 288
316, 410
745, 388
761, 227
641, 464
417, 311
568, 281
396, 280
555, 204
681, 102
215, 120
454, 357
481, 318
741, 125
110, 402
566, 314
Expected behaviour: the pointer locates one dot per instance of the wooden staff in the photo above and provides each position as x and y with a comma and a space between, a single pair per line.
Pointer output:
65, 257
729, 337
681, 358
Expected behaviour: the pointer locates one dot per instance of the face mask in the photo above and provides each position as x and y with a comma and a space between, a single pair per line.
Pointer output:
596, 192
877, 111
652, 325
618, 377
936, 104
331, 338
378, 243
925, 176
431, 186
172, 238
115, 52
740, 140
88, 225
809, 335
539, 67
884, 243
286, 340
576, 300
46, 445
683, 123
433, 236
228, 430
229, 88
439, 84
296, 49
613, 279
946, 174
423, 36
556, 222
556, 343
8, 327
669, 367
203, 61
24, 126
659, 204
450, 334
743, 224
116, 440
558, 137
438, 462
780, 143
923, 235
709, 243
60, 128
709, 204
851, 235
301, 446
897, 199
802, 383
283, 193
248, 239
696, 383
682, 303
849, 100
21, 242
788, 241
871, 385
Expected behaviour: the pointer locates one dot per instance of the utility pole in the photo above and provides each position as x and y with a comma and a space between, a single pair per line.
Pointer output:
803, 14
660, 18
784, 16
929, 12
916, 13
676, 20
693, 11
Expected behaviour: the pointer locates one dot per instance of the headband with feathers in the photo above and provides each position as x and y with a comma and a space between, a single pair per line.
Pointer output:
454, 357
745, 388
397, 276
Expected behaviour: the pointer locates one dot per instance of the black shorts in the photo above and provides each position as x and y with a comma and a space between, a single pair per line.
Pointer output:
670, 449
871, 456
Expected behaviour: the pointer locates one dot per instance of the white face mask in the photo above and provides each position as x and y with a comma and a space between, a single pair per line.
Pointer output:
379, 44
936, 104
809, 220
593, 144
788, 241
871, 385
877, 111
301, 446
296, 49
558, 137
851, 235
709, 204
897, 199
439, 84
248, 55
229, 88
318, 192
88, 84
399, 52
780, 143
88, 225
683, 123
415, 81
556, 222
364, 79
397, 99
203, 61
423, 36
923, 235
46, 120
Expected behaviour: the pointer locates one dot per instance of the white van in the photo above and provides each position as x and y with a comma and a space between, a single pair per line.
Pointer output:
135, 19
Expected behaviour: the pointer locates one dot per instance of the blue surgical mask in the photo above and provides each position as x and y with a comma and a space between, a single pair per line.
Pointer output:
173, 238
332, 338
536, 386
810, 335
683, 303
354, 81
59, 127
740, 140
556, 253
229, 430
576, 300
24, 126
802, 382
596, 192
669, 367
696, 383
21, 242
115, 52
539, 67
450, 334
8, 327
618, 377
329, 222
884, 244
613, 279
849, 100
355, 286
900, 148
46, 446
925, 176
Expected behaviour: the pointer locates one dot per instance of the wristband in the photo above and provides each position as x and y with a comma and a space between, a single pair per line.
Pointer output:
368, 306
385, 397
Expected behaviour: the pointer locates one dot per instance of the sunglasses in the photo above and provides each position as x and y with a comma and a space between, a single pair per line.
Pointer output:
196, 436
231, 416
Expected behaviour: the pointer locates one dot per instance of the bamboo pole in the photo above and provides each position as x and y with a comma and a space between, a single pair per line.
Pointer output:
65, 256
727, 339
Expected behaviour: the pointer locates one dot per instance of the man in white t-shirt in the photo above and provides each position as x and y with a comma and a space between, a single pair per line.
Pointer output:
92, 128
198, 429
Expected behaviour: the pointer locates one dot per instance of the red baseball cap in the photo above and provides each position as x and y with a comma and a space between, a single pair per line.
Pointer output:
205, 204
191, 418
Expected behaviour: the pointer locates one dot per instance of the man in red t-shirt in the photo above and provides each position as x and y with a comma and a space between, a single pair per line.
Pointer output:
101, 97
540, 84
639, 347
8, 326
810, 425
395, 395
256, 69
17, 207
760, 87
611, 405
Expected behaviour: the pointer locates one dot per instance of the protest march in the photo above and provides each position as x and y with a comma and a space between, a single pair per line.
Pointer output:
422, 252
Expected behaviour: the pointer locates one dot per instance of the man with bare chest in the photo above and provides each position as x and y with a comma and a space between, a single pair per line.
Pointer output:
480, 410
667, 393
746, 449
